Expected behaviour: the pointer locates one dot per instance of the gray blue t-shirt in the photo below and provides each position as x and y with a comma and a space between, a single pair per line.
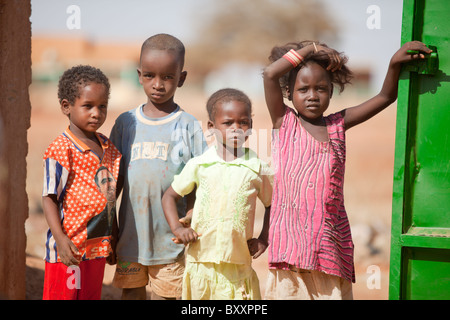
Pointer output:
154, 151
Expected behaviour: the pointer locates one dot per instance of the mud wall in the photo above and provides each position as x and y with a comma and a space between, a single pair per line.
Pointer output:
15, 109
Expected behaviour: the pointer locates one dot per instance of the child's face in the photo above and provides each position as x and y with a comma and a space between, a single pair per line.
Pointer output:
231, 123
107, 184
312, 91
160, 74
88, 112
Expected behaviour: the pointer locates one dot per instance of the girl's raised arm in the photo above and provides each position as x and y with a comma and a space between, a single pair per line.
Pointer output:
272, 90
388, 94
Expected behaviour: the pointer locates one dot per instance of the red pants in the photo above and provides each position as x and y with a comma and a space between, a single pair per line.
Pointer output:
82, 282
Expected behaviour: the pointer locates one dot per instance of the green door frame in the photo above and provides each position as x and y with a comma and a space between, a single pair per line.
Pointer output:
412, 244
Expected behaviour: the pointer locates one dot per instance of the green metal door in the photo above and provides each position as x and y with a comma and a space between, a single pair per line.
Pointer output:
420, 241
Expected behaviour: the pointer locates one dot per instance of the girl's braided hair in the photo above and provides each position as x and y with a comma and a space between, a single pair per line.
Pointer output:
339, 77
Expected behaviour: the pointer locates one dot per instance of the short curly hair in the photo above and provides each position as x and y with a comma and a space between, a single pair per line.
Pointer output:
226, 95
77, 77
339, 77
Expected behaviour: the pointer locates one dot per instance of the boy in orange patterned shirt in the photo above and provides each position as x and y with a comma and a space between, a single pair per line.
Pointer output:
81, 169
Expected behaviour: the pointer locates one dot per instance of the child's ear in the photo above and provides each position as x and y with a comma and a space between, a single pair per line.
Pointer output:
211, 129
332, 90
139, 75
182, 79
65, 107
288, 93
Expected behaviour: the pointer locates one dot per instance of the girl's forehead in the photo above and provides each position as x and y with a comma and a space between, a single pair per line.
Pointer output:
233, 106
313, 71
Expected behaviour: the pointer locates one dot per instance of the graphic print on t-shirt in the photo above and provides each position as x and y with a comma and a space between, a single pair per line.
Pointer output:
100, 226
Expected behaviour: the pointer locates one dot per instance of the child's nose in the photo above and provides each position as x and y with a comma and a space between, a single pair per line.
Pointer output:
96, 112
313, 95
236, 128
158, 83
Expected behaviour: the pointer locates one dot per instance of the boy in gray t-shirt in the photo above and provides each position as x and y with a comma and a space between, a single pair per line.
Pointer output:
156, 140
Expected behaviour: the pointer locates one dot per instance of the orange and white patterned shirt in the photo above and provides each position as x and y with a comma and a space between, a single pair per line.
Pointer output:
85, 186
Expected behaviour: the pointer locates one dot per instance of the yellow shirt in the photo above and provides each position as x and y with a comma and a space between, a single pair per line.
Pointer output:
224, 210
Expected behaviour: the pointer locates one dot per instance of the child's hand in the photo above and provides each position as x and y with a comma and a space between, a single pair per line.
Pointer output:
185, 235
402, 55
186, 221
68, 252
336, 61
256, 247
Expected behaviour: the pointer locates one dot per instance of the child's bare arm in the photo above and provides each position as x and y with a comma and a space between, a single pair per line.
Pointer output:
272, 90
388, 94
66, 249
190, 201
112, 258
258, 246
182, 234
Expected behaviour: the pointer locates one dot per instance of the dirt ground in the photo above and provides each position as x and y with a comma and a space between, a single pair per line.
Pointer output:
368, 183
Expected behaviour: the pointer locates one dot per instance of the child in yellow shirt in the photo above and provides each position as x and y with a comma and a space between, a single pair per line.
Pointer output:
228, 179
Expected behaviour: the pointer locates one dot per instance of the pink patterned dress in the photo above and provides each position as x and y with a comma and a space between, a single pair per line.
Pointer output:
309, 228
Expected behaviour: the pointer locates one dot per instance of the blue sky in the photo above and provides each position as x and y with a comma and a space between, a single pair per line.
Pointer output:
134, 20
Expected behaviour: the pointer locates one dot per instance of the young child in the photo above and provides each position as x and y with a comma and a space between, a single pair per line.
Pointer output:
81, 168
310, 244
228, 178
156, 139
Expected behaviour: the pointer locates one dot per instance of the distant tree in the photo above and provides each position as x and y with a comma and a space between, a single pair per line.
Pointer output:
246, 30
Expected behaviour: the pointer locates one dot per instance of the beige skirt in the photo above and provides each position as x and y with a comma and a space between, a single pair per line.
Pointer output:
301, 284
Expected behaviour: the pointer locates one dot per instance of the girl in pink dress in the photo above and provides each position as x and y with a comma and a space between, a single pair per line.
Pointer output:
310, 244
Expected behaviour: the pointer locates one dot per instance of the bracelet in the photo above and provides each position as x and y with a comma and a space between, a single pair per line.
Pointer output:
293, 57
315, 48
